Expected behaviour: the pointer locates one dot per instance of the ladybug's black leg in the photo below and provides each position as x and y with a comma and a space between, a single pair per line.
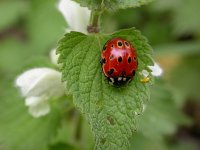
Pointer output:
128, 79
111, 80
111, 71
102, 61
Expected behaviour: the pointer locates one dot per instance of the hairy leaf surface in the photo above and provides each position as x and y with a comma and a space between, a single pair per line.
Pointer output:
110, 4
110, 111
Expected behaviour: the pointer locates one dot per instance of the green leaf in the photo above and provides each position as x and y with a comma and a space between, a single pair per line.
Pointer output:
182, 10
185, 78
163, 5
140, 142
110, 4
75, 131
179, 48
10, 49
162, 116
187, 9
110, 111
61, 146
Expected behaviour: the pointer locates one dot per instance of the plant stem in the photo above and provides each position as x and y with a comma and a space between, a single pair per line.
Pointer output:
78, 127
93, 27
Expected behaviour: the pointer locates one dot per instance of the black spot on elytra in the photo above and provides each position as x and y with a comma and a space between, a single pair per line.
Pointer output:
126, 43
133, 72
103, 61
129, 60
119, 44
110, 71
112, 46
111, 56
119, 59
134, 58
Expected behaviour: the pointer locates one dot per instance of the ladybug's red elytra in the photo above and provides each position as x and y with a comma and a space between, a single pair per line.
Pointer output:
118, 61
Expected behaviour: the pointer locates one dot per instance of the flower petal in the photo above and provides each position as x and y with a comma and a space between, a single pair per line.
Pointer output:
145, 73
27, 79
33, 101
76, 16
156, 70
40, 81
41, 109
54, 57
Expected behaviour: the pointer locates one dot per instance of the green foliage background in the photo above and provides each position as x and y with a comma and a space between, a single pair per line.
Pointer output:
30, 29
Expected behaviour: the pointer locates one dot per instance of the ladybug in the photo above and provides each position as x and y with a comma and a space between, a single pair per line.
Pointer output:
118, 61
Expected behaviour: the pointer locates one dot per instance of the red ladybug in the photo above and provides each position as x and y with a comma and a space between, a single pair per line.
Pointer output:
118, 61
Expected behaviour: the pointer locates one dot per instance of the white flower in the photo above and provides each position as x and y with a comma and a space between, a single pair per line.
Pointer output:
145, 73
54, 57
38, 106
156, 70
38, 86
76, 16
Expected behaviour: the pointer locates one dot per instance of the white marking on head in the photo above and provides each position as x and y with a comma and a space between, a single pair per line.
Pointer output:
112, 80
119, 78
124, 79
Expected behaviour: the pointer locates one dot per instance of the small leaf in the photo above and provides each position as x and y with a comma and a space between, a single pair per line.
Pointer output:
109, 4
110, 111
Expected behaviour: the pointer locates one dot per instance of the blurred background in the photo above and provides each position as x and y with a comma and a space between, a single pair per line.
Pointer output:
29, 29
